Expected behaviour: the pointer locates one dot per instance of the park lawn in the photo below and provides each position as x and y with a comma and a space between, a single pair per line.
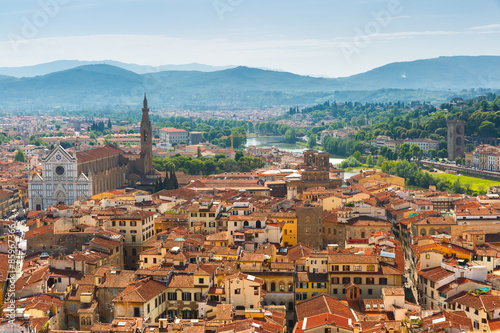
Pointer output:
476, 182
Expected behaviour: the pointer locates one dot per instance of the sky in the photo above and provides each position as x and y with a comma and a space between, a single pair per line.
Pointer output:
330, 38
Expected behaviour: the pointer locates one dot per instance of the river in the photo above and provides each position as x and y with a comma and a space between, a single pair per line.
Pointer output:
277, 141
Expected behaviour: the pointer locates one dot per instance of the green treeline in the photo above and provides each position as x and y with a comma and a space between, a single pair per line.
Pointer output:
415, 176
207, 165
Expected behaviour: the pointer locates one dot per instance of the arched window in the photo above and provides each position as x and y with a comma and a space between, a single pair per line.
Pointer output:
423, 232
290, 287
273, 286
282, 286
264, 286
290, 306
246, 224
258, 224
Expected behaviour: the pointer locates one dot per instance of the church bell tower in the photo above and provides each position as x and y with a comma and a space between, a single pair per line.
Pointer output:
146, 141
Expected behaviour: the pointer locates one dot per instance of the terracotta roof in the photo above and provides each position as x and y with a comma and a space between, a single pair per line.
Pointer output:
310, 323
447, 320
340, 258
141, 291
181, 281
435, 274
323, 303
97, 153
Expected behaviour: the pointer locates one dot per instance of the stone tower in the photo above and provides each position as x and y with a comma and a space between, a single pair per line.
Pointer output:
146, 164
455, 139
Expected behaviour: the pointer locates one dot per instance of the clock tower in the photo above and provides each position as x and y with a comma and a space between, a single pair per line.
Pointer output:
146, 164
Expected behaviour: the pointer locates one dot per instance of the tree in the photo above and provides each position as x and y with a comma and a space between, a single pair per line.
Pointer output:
290, 136
19, 157
173, 179
357, 155
404, 151
312, 141
167, 184
109, 123
416, 151
487, 128
237, 155
369, 160
198, 152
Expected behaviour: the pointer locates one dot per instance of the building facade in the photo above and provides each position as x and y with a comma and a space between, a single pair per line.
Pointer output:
66, 177
169, 135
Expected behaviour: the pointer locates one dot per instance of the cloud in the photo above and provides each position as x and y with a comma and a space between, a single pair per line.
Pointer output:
486, 27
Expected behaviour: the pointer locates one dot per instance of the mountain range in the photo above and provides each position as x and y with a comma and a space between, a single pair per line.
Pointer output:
101, 86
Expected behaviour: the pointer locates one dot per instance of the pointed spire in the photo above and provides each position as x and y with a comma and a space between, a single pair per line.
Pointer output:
145, 101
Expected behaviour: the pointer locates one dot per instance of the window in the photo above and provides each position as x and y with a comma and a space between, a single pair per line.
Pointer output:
273, 286
335, 291
133, 223
122, 223
346, 280
186, 296
146, 260
335, 268
335, 280
357, 268
255, 290
134, 252
133, 238
370, 268
370, 291
113, 223
201, 280
370, 280
154, 260
357, 280
237, 291
346, 268
172, 296
382, 281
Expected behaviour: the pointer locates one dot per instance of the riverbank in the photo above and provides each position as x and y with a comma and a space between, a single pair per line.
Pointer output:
476, 184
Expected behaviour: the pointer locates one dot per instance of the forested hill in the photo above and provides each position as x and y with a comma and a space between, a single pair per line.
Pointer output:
105, 86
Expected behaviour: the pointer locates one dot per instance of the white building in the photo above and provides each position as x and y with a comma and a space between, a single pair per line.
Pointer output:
59, 182
424, 144
169, 135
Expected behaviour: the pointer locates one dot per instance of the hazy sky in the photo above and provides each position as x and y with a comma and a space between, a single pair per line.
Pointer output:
315, 37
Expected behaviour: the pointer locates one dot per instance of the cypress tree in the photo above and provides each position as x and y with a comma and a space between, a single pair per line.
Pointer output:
166, 182
173, 179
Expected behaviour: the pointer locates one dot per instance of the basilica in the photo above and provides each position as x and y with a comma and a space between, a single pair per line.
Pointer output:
67, 177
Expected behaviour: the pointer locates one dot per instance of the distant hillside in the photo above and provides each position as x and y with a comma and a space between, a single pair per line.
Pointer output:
103, 86
444, 73
61, 65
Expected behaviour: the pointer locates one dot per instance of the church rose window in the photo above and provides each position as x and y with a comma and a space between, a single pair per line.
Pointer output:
60, 170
